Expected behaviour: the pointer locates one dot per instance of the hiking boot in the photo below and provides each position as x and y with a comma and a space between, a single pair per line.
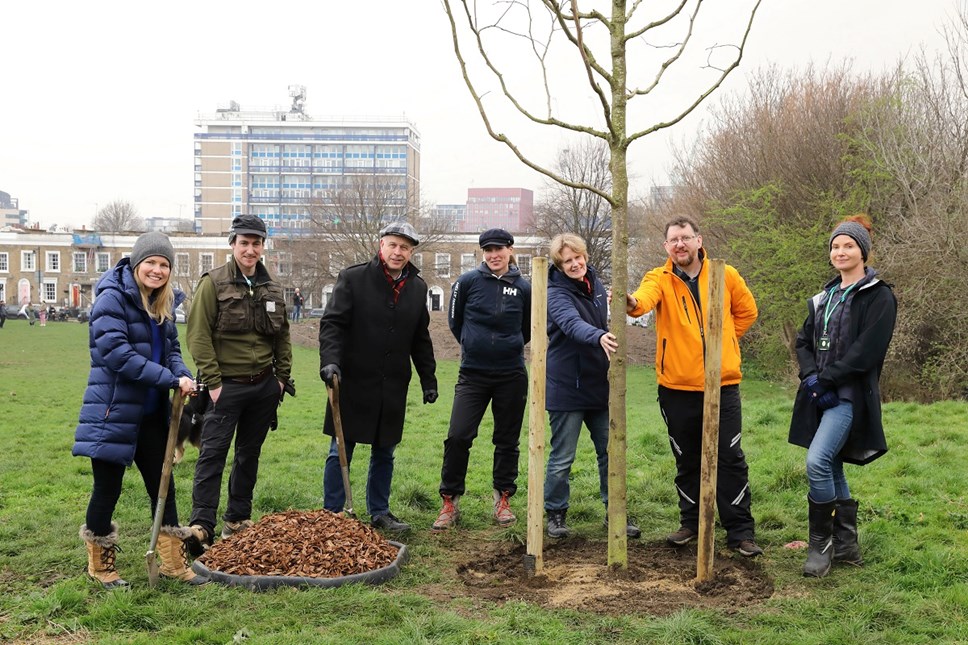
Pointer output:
389, 522
748, 549
682, 537
449, 514
556, 524
231, 528
174, 555
631, 530
502, 508
101, 553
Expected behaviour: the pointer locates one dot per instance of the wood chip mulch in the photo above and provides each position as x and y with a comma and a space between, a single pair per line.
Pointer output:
315, 544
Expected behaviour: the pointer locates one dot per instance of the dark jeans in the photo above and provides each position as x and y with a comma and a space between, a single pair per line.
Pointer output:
378, 479
507, 392
148, 457
682, 411
244, 411
296, 311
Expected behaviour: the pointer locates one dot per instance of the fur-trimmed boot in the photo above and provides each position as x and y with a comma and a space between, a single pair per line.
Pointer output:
101, 552
174, 555
846, 549
820, 553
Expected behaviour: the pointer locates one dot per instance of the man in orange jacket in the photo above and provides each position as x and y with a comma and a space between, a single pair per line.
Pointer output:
675, 291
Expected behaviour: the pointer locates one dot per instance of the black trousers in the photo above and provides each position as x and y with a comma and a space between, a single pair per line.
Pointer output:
507, 393
149, 456
245, 412
682, 411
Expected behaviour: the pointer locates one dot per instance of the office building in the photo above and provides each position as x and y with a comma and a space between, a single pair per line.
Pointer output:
509, 208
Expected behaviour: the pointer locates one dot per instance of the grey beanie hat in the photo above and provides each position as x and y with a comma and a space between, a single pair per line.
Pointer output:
153, 243
857, 232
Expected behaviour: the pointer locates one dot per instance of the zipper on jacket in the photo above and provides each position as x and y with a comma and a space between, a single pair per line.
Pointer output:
662, 360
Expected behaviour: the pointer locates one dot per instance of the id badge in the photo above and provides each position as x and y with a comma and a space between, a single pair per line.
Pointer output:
270, 306
824, 343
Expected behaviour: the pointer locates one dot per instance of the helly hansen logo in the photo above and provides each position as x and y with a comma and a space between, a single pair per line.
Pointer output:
510, 291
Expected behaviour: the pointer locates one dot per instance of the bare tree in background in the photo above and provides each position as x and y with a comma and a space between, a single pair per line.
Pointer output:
117, 217
526, 51
566, 209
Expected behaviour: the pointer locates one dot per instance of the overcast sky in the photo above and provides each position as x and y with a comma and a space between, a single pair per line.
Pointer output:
99, 99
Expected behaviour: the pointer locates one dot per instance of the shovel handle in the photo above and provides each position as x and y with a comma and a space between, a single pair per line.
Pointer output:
177, 405
333, 392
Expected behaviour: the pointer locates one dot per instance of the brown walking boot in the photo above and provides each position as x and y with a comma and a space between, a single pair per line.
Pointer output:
101, 553
174, 555
449, 514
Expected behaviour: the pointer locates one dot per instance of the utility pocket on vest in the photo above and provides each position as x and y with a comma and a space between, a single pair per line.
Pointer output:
234, 313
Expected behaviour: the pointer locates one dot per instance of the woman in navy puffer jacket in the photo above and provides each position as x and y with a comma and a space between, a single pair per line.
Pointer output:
135, 360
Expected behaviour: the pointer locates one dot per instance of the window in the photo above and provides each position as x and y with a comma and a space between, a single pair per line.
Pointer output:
80, 262
206, 262
417, 260
3, 291
442, 265
467, 262
181, 264
53, 261
524, 264
28, 261
103, 262
49, 293
4, 262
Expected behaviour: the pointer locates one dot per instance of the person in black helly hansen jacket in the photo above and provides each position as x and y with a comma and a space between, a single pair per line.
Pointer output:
490, 315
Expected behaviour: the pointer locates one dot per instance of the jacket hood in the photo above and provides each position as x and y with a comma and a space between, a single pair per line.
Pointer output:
513, 272
557, 278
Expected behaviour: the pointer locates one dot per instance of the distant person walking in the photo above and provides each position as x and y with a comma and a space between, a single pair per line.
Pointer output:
490, 315
579, 349
135, 360
43, 316
375, 324
837, 413
3, 313
27, 312
297, 305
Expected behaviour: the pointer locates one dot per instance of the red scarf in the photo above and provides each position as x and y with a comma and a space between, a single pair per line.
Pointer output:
395, 283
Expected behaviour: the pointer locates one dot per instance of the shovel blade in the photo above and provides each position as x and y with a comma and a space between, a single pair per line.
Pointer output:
151, 559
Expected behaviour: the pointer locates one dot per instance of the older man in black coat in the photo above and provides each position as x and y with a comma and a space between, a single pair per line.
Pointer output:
374, 323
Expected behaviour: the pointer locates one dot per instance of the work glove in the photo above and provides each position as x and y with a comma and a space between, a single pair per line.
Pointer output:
827, 400
327, 372
430, 395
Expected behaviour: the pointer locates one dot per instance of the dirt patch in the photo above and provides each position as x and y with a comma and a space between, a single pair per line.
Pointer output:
659, 581
640, 340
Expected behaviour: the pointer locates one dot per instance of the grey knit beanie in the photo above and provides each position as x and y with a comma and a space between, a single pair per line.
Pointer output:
857, 232
153, 243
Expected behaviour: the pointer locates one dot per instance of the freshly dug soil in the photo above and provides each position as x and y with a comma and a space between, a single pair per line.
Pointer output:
313, 544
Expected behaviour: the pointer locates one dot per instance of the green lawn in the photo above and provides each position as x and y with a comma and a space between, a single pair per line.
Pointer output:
914, 528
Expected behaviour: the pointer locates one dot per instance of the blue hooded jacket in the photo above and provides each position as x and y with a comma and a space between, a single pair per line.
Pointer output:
577, 368
122, 372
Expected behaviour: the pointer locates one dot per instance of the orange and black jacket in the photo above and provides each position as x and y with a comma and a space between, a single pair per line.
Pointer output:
680, 325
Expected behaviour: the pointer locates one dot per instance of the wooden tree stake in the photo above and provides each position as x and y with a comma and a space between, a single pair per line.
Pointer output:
533, 560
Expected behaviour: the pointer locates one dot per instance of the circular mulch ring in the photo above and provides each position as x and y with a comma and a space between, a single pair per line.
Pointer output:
302, 548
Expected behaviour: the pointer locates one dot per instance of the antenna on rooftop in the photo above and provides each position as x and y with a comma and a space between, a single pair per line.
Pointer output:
298, 94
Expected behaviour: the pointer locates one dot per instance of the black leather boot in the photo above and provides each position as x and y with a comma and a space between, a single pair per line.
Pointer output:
820, 554
846, 549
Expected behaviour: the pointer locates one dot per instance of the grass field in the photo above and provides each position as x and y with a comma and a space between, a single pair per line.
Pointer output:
913, 523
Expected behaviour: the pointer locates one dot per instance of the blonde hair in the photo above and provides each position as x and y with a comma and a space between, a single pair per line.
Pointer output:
572, 241
163, 306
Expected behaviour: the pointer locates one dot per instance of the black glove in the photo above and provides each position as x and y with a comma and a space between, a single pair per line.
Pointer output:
327, 372
828, 400
430, 395
810, 383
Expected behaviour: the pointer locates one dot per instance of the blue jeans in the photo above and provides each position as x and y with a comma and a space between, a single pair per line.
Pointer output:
565, 428
378, 479
825, 469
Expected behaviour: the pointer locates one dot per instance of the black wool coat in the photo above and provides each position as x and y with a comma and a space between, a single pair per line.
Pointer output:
373, 339
873, 312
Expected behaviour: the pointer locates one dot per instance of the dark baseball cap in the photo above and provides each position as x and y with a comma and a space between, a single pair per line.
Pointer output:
247, 225
496, 237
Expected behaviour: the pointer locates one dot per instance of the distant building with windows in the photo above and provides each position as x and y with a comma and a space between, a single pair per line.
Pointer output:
509, 208
276, 163
451, 213
10, 213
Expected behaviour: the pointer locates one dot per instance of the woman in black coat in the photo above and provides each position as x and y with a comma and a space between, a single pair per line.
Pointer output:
837, 412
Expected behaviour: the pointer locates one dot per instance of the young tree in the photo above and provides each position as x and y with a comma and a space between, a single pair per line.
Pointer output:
563, 208
117, 217
620, 59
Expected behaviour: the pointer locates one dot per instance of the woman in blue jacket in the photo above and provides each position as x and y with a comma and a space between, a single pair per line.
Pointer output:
837, 413
135, 360
579, 349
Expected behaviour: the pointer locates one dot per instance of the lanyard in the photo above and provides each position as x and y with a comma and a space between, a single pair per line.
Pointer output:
828, 311
249, 282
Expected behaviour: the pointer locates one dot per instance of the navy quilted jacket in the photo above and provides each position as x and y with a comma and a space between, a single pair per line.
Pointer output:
121, 368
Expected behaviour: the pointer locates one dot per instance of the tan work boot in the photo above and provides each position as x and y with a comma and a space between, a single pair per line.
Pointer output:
502, 508
449, 514
231, 528
101, 552
174, 555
